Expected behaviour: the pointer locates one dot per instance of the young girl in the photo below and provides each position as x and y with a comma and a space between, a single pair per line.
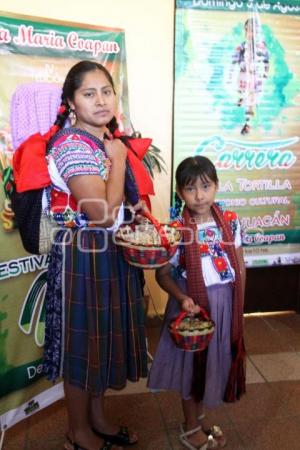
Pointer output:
207, 271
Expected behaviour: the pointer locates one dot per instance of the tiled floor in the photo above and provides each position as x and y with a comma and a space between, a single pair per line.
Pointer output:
266, 418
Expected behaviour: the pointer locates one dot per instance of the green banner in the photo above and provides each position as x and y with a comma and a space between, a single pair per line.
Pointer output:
237, 86
44, 39
33, 50
20, 377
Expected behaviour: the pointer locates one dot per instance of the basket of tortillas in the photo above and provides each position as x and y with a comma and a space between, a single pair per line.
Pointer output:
192, 333
148, 244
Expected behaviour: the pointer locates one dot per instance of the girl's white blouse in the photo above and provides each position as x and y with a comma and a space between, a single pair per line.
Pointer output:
209, 233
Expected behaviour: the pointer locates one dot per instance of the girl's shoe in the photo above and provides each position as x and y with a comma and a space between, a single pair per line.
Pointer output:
209, 444
215, 431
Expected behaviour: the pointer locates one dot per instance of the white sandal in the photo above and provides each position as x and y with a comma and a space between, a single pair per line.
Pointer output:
216, 433
209, 444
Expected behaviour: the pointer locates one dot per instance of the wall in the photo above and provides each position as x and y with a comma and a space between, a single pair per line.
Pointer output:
149, 30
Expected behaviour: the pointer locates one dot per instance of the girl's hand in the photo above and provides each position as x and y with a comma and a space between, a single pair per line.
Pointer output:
115, 149
188, 305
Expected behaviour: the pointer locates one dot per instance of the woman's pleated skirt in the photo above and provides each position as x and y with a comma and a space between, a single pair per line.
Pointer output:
95, 312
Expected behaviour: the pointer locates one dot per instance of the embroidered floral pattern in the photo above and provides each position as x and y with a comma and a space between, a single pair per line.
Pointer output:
75, 152
212, 246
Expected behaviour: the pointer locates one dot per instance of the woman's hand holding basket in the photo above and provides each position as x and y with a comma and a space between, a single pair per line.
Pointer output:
150, 244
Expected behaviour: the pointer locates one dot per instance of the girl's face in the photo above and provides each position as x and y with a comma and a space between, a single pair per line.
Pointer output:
198, 197
94, 102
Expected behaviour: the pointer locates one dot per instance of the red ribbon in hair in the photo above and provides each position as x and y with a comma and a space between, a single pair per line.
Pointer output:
61, 109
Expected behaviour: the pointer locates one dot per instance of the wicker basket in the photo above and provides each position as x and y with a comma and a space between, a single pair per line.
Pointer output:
149, 245
192, 333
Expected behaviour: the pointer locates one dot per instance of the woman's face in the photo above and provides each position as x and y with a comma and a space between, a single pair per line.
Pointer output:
94, 102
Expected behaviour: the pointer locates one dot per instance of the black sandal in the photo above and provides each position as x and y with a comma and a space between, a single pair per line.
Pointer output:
106, 446
121, 438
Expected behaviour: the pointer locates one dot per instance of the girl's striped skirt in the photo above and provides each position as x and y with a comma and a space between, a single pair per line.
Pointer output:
94, 313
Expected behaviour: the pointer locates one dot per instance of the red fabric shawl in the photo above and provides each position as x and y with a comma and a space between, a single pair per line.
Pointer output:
197, 291
30, 167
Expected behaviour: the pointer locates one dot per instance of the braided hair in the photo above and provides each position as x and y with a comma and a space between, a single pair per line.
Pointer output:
62, 114
175, 211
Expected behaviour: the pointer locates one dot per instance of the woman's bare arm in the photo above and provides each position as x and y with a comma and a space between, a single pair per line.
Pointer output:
101, 200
